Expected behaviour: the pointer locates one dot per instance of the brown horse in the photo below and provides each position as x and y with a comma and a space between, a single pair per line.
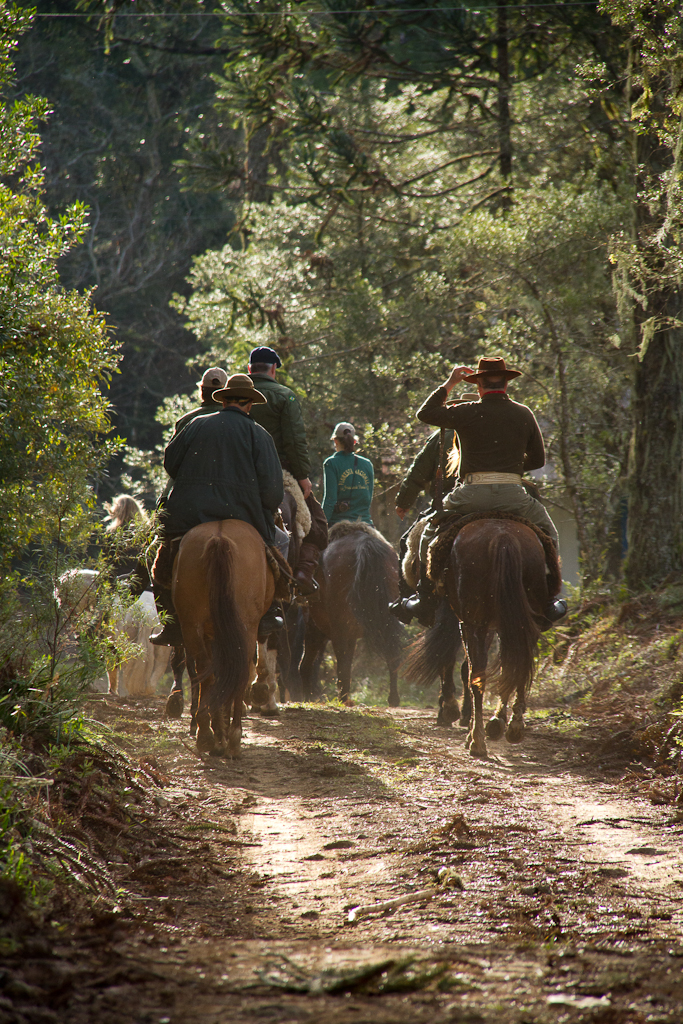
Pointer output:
358, 578
222, 586
495, 582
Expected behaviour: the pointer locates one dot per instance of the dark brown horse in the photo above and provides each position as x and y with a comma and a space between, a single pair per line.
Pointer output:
496, 582
222, 586
358, 578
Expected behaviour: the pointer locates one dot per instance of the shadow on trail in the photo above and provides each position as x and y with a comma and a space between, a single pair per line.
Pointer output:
317, 754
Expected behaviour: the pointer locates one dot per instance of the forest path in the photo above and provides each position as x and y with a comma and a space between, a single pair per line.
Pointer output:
571, 907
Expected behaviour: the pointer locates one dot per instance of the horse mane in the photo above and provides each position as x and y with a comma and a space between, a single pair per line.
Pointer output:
345, 528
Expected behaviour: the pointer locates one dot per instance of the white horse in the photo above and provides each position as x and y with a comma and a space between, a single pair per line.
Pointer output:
139, 674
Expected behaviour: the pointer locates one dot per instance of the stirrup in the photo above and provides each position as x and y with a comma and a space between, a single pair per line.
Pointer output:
399, 609
270, 623
170, 636
306, 585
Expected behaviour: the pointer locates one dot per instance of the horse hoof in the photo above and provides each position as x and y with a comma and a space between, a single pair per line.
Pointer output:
515, 732
476, 752
494, 728
174, 704
260, 692
269, 712
206, 741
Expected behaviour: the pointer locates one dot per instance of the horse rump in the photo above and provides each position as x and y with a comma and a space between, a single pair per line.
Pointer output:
435, 648
369, 596
229, 650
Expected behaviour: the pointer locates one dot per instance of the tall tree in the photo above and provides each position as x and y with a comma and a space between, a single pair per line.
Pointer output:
649, 262
123, 108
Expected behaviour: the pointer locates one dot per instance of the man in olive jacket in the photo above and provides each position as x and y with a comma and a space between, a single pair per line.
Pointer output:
223, 466
283, 420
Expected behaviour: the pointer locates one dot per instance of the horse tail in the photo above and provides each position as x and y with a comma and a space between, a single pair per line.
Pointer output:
229, 651
435, 648
369, 597
517, 630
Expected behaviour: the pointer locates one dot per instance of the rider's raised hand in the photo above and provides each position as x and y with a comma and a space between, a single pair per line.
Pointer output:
458, 373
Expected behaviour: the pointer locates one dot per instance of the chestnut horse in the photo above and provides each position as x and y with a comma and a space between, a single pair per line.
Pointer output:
358, 578
495, 582
222, 586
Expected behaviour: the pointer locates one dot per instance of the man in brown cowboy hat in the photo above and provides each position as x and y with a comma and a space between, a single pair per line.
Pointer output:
223, 467
499, 441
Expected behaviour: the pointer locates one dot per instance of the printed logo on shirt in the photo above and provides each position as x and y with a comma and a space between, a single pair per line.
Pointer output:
365, 486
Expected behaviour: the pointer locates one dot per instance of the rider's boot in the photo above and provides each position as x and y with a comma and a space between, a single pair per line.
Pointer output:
421, 606
556, 610
305, 569
171, 634
271, 622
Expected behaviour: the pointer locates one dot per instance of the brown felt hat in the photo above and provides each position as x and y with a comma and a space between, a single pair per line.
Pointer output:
495, 366
240, 386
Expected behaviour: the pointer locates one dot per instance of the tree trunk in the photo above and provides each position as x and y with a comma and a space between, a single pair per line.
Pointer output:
503, 100
655, 511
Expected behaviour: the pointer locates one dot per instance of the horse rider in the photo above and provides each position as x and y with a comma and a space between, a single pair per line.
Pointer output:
223, 466
349, 479
499, 440
432, 472
282, 418
212, 380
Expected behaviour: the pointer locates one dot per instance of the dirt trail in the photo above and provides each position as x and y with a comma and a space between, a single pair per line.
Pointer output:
571, 906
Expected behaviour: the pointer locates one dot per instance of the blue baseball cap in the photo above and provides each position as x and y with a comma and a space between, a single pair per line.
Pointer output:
264, 355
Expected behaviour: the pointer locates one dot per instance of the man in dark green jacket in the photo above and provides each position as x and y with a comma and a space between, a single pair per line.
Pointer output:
223, 467
422, 473
283, 420
281, 416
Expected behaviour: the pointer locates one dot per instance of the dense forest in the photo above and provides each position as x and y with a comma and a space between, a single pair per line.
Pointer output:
376, 191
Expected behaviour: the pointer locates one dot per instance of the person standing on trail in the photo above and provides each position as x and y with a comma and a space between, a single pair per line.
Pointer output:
282, 418
223, 467
499, 440
349, 479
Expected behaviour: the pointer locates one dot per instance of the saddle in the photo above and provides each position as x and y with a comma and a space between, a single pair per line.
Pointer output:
450, 527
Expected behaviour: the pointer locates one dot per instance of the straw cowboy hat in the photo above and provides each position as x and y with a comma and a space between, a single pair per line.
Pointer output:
240, 386
493, 366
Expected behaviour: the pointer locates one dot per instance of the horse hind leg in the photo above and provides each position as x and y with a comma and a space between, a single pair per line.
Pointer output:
175, 701
476, 653
449, 712
496, 724
466, 712
515, 730
394, 699
344, 651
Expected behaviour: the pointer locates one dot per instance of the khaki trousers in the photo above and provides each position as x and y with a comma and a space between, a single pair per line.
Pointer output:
470, 498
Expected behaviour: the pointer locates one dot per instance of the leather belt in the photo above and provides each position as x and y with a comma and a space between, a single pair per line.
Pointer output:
492, 478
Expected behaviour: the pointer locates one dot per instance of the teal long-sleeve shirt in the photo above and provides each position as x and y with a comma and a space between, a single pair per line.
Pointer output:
343, 484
